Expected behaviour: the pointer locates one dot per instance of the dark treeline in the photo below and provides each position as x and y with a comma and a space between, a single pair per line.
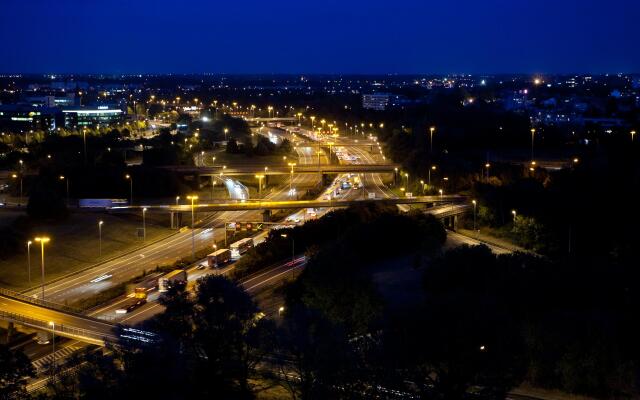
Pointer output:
483, 324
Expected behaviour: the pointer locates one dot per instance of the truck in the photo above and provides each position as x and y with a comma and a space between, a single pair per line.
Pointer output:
139, 299
218, 258
166, 282
240, 247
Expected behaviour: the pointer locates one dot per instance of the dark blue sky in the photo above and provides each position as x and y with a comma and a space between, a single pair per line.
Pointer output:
307, 36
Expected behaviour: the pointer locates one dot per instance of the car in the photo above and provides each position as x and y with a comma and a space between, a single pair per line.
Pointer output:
201, 267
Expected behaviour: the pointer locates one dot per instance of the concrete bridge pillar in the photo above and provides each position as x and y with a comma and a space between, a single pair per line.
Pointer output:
10, 331
266, 216
176, 219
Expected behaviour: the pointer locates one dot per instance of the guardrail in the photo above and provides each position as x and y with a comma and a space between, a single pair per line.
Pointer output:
39, 302
98, 337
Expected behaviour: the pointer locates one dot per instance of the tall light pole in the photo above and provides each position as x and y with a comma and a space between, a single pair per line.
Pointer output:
475, 203
433, 168
431, 130
177, 200
313, 119
259, 177
226, 130
84, 141
66, 181
514, 213
29, 242
130, 178
487, 165
533, 133
144, 224
291, 176
633, 133
293, 250
100, 235
53, 341
193, 198
42, 241
15, 176
406, 175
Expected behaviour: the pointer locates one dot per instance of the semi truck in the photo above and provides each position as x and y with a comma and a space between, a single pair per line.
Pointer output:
218, 258
240, 247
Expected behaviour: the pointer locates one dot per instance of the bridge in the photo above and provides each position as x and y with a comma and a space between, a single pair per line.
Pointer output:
286, 170
54, 318
285, 204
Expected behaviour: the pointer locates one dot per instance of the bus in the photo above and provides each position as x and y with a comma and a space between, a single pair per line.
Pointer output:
167, 281
218, 258
240, 247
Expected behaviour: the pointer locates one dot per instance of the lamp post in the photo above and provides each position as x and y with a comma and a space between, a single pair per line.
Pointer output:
29, 242
431, 130
15, 176
177, 200
226, 130
406, 175
293, 250
130, 178
633, 133
259, 177
100, 235
84, 143
291, 176
514, 213
144, 224
533, 133
474, 214
487, 165
313, 118
42, 241
53, 341
66, 181
433, 168
193, 198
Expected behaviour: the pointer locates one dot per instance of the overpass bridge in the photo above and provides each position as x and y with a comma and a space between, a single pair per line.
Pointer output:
59, 320
285, 204
285, 170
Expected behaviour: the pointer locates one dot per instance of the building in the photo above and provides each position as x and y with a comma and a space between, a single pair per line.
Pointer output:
92, 116
382, 101
25, 117
52, 101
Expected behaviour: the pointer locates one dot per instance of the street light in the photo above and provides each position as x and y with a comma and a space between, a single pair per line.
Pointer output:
433, 168
431, 130
177, 200
100, 235
533, 132
63, 178
15, 176
291, 176
53, 341
293, 250
513, 212
633, 133
487, 165
144, 224
226, 130
474, 214
130, 178
42, 241
260, 177
193, 198
29, 242
441, 193
280, 310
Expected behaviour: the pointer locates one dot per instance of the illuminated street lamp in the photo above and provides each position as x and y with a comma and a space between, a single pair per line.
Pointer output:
226, 130
100, 223
144, 224
260, 177
514, 213
53, 341
29, 242
15, 176
280, 311
291, 176
487, 165
130, 178
533, 132
177, 200
431, 130
42, 241
193, 198
633, 133
66, 181
475, 203
433, 168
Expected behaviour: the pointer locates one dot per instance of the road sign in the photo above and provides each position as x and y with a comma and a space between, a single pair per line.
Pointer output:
409, 194
371, 195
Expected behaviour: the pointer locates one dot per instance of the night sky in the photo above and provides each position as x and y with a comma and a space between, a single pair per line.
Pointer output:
328, 36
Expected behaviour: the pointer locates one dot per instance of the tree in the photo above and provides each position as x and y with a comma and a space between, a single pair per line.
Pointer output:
15, 368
